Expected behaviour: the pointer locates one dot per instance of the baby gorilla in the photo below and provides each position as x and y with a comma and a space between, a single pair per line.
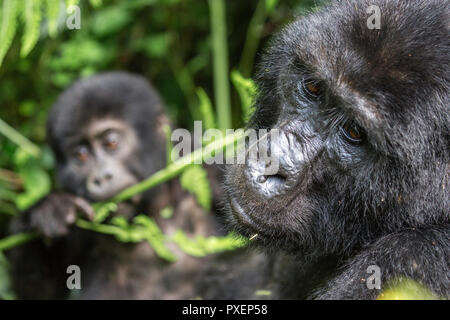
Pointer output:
363, 151
106, 133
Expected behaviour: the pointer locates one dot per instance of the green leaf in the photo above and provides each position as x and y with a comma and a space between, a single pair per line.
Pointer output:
202, 246
165, 213
169, 146
155, 237
270, 5
96, 3
103, 210
110, 20
8, 26
5, 283
72, 3
154, 45
406, 289
246, 89
52, 14
195, 180
32, 17
36, 180
206, 109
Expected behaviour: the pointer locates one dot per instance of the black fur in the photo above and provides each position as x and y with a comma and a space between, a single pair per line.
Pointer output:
381, 201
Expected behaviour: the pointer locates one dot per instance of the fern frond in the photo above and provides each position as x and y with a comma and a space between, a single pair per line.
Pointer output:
206, 109
95, 3
72, 3
32, 17
52, 14
8, 25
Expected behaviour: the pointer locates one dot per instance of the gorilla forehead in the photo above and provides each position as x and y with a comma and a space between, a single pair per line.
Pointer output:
390, 79
116, 95
412, 43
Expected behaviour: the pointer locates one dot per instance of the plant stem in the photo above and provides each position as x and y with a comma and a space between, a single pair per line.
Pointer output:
252, 39
16, 240
13, 135
220, 63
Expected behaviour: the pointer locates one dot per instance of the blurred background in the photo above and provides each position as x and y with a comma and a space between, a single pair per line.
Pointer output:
199, 54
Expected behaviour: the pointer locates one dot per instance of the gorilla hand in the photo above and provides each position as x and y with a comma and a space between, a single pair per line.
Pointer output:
53, 215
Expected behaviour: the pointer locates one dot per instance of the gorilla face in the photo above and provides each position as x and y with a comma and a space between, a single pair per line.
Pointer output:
106, 134
363, 121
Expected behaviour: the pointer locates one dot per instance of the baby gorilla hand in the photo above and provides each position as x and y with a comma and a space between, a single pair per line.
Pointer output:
53, 215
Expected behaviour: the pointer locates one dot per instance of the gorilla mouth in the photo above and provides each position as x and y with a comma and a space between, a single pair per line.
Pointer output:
246, 223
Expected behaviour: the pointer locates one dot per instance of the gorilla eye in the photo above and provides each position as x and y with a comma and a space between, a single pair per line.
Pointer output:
112, 141
353, 133
311, 88
82, 153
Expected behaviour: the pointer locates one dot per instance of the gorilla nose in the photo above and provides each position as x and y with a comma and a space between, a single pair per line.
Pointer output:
268, 185
101, 179
276, 171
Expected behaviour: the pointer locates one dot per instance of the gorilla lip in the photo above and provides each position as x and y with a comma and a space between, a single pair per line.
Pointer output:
240, 215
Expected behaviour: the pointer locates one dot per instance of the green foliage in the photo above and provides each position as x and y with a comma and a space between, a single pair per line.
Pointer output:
110, 20
203, 246
103, 211
247, 91
36, 180
406, 289
144, 228
52, 9
30, 13
195, 180
16, 240
79, 57
5, 285
8, 25
155, 45
32, 18
206, 110
270, 5
263, 293
166, 212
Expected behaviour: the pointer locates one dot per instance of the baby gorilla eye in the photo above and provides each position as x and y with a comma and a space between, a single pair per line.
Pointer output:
353, 133
81, 153
111, 141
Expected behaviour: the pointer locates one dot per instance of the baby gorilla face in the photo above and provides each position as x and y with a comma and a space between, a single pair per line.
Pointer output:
96, 161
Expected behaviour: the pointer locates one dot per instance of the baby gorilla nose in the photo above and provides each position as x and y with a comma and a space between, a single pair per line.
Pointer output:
101, 185
103, 178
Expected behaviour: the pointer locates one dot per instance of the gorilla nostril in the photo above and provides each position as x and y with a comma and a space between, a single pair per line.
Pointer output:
276, 178
261, 179
108, 176
97, 182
